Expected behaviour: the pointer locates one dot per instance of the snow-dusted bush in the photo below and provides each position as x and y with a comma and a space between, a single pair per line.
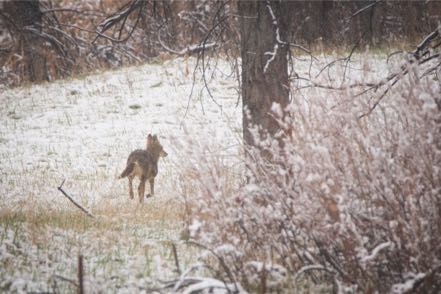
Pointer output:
348, 202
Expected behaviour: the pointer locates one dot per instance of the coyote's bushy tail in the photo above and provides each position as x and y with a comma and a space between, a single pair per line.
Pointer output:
127, 171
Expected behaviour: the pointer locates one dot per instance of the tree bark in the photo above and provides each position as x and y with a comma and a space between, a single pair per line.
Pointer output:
264, 29
23, 17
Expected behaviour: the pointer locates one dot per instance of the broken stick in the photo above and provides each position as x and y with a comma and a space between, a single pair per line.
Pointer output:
60, 188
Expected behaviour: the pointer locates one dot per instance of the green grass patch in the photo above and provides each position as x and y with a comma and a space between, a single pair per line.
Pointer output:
135, 106
158, 84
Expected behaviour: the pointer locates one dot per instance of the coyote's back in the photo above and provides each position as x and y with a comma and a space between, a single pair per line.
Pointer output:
144, 165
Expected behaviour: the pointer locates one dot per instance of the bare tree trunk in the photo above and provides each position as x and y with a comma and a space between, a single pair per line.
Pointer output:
326, 25
264, 29
24, 19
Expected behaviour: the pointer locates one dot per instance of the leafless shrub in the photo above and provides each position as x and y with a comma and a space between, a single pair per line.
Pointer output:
348, 202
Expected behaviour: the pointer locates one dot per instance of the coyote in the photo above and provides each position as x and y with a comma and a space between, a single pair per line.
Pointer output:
144, 164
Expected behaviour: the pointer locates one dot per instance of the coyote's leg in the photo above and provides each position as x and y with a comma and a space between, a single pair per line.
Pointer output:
152, 186
130, 186
141, 189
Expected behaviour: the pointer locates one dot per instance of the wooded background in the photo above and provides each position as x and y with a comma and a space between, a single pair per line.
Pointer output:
46, 40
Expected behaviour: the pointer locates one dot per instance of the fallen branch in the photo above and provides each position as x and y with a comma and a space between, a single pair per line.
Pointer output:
60, 188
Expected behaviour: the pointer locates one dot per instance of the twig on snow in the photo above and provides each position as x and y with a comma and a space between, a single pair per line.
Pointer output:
60, 188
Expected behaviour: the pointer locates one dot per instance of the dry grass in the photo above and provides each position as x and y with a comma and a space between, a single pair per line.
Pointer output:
108, 216
124, 240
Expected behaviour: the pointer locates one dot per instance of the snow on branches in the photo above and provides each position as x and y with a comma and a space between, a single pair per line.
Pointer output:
344, 202
273, 53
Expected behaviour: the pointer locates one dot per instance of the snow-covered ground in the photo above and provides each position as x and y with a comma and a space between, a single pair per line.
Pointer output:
82, 131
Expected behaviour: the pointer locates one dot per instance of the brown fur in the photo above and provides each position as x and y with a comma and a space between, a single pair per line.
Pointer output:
144, 165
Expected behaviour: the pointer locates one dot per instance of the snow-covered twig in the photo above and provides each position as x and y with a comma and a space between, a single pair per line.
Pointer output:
184, 276
375, 252
211, 284
314, 267
121, 15
422, 46
310, 268
409, 285
192, 16
199, 284
196, 48
191, 284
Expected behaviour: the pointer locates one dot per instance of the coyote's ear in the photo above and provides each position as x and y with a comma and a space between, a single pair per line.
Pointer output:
149, 138
155, 137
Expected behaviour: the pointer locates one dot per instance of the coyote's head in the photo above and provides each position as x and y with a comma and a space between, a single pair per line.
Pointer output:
155, 147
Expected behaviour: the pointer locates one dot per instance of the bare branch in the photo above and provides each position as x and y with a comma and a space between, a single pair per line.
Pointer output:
60, 188
365, 8
120, 15
192, 49
83, 12
418, 52
301, 48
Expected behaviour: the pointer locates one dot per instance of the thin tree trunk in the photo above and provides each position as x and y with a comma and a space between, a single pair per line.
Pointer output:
25, 20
